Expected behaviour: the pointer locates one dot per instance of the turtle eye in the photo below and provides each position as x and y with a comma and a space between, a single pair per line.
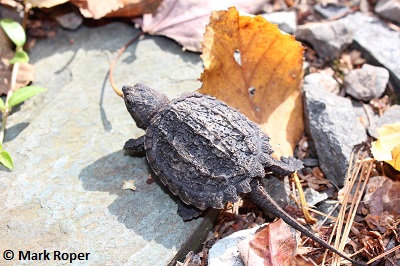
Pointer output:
129, 104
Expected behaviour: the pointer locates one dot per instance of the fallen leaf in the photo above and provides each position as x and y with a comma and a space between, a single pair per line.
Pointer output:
383, 195
387, 147
264, 83
115, 8
181, 20
372, 242
300, 260
185, 20
273, 245
383, 222
45, 3
130, 184
12, 3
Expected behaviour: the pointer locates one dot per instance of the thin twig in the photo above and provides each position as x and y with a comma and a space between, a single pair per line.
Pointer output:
384, 254
112, 64
327, 216
303, 201
9, 94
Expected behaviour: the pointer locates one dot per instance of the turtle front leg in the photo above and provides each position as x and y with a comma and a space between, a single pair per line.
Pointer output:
285, 166
135, 147
188, 212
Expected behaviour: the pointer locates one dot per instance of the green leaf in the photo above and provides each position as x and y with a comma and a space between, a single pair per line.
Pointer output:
23, 94
6, 160
2, 107
14, 31
19, 57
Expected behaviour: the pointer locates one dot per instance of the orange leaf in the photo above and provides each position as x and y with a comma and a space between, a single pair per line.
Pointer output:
396, 158
265, 84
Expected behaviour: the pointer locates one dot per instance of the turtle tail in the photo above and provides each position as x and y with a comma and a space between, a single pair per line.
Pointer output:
268, 205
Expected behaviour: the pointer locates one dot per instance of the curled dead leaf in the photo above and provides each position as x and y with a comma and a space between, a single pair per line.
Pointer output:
181, 20
383, 195
45, 3
115, 8
272, 245
264, 82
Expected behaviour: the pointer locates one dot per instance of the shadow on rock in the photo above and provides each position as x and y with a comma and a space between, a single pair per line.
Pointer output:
14, 131
144, 210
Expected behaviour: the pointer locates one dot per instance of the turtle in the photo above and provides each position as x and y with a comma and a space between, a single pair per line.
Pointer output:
206, 152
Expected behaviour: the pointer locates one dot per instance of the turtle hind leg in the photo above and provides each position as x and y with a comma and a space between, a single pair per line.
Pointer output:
283, 167
135, 147
188, 212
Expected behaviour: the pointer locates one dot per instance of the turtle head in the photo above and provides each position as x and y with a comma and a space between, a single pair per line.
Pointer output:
143, 103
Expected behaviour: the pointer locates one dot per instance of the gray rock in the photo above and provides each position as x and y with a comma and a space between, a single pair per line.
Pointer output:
389, 9
390, 116
365, 114
276, 189
71, 20
66, 190
333, 127
314, 197
331, 10
287, 21
225, 251
366, 83
328, 39
380, 45
328, 82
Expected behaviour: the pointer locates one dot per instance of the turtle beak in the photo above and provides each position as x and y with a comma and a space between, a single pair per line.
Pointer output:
126, 90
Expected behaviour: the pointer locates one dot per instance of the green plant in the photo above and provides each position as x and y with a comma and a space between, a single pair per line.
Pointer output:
15, 95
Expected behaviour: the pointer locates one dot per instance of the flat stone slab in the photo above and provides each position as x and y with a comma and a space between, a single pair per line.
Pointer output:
65, 193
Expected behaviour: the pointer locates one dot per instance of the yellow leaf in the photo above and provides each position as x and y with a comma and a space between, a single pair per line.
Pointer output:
387, 147
396, 158
265, 83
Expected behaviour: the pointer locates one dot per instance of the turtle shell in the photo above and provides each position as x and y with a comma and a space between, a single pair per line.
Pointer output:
205, 151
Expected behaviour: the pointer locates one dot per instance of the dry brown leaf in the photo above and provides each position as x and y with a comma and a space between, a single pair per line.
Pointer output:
382, 222
185, 20
300, 260
265, 84
45, 3
12, 3
383, 195
273, 245
181, 20
115, 8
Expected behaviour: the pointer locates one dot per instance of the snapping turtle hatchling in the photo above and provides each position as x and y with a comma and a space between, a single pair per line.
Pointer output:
206, 152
